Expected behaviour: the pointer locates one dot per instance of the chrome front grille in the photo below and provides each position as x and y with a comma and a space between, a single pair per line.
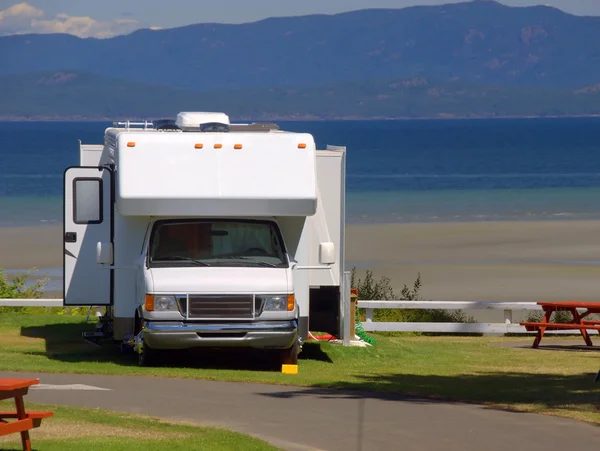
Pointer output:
243, 306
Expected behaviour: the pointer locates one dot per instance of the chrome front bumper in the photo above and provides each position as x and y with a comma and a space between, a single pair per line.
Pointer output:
183, 335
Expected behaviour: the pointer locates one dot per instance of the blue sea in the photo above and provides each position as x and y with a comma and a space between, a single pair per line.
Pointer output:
397, 171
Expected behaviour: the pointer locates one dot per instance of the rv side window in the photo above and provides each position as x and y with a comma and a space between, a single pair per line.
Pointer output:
87, 201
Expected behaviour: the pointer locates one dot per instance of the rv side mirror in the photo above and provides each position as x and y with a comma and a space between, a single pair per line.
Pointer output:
327, 253
104, 253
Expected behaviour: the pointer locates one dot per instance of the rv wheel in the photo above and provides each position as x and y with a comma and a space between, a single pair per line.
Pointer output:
289, 356
147, 356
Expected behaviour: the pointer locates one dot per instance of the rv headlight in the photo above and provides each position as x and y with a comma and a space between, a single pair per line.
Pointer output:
279, 303
162, 304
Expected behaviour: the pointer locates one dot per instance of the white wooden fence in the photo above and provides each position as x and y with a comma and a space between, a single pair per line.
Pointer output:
492, 328
31, 303
371, 326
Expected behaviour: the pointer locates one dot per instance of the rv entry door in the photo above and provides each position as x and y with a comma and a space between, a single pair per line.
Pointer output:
87, 221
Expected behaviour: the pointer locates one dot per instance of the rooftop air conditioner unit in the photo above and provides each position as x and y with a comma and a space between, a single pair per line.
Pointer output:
203, 121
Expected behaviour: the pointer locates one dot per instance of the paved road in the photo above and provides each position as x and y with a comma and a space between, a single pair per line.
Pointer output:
300, 419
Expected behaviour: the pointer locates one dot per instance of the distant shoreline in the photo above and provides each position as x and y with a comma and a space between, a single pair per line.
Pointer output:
354, 222
292, 118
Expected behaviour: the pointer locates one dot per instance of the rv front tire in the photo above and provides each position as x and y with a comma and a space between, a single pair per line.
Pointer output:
289, 356
147, 356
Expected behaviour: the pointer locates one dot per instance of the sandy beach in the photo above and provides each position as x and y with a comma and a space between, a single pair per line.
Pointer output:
501, 261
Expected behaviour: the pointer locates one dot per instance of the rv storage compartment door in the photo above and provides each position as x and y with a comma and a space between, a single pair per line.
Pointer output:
87, 221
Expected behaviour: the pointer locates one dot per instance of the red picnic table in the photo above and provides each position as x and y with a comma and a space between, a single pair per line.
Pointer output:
23, 420
578, 321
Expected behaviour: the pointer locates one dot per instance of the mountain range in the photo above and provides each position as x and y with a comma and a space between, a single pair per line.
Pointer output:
475, 59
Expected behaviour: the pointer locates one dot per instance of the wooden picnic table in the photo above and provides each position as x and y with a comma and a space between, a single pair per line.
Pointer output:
23, 421
578, 321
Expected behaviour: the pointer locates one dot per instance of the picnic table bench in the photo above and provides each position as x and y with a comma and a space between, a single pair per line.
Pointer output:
578, 321
23, 421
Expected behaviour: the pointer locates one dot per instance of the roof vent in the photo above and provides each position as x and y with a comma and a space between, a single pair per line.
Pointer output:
214, 127
202, 121
165, 124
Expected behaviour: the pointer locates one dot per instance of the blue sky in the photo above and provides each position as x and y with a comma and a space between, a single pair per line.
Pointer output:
105, 18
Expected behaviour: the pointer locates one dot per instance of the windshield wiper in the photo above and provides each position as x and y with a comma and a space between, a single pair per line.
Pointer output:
270, 265
258, 262
179, 257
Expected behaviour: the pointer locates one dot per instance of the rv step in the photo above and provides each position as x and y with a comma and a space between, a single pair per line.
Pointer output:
93, 338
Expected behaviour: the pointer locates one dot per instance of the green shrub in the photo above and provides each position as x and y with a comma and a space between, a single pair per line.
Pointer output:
371, 289
18, 288
557, 317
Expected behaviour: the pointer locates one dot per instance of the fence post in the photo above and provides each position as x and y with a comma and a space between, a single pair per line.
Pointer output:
353, 300
346, 309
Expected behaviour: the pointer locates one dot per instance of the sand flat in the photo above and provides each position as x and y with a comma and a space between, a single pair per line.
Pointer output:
516, 261
28, 247
494, 261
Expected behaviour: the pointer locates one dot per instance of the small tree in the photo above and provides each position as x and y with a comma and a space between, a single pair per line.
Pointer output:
369, 288
17, 288
381, 290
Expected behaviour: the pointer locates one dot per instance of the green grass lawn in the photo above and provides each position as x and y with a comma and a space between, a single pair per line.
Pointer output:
95, 429
501, 371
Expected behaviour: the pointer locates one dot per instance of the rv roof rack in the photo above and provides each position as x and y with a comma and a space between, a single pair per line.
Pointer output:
167, 124
131, 124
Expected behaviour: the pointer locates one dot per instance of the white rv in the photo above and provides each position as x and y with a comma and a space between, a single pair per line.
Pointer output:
198, 232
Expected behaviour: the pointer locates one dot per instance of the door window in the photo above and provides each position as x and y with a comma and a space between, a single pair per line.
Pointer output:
87, 201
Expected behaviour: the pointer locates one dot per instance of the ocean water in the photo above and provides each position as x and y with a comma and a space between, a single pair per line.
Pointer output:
397, 171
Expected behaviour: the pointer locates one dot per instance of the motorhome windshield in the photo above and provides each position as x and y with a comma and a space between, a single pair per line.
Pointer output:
216, 243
